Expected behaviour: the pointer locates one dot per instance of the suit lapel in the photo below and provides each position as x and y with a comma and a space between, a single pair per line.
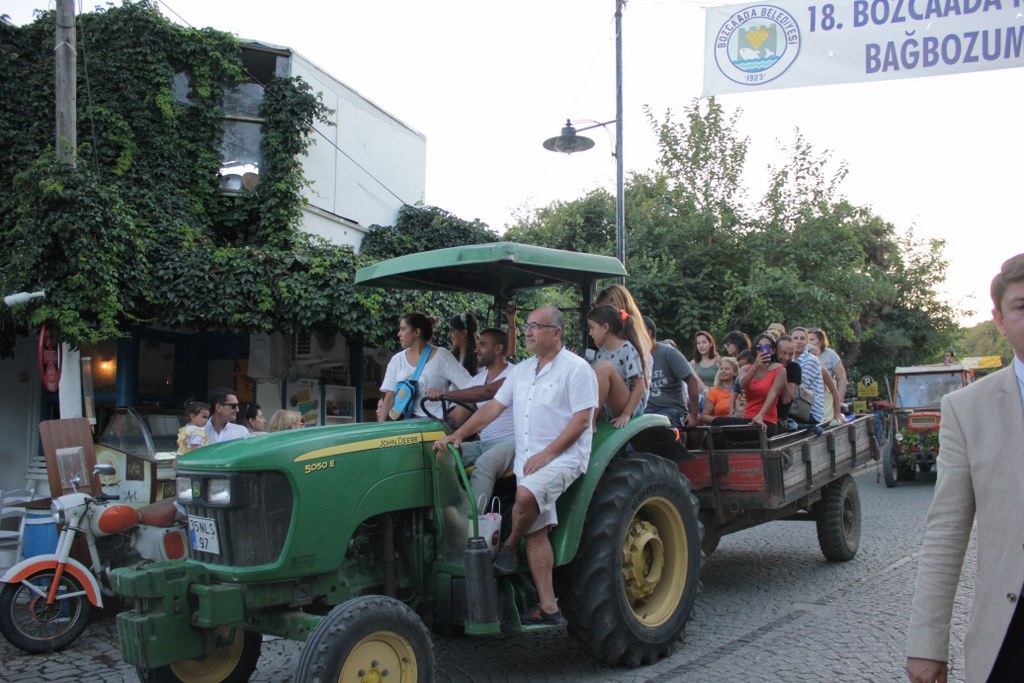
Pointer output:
1009, 423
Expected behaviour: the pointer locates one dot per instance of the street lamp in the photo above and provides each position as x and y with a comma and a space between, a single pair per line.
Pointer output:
569, 142
21, 298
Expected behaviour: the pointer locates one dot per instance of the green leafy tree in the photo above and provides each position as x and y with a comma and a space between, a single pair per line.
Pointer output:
700, 258
984, 339
421, 228
586, 224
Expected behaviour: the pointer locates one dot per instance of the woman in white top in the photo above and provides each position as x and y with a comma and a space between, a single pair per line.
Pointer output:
829, 360
414, 333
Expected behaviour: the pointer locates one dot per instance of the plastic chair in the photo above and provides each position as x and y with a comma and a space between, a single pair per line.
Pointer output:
37, 478
11, 539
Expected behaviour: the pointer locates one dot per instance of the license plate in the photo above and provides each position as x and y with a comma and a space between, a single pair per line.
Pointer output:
203, 533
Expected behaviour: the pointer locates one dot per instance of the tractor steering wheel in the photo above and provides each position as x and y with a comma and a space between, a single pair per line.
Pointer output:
447, 404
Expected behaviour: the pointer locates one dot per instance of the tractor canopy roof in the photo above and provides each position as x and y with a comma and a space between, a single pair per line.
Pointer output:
497, 268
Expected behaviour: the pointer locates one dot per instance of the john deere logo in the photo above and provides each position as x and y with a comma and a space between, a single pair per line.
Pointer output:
757, 44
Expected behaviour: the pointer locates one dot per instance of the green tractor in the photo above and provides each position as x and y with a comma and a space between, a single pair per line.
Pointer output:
357, 538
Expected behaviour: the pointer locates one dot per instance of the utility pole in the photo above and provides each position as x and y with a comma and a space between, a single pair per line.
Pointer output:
65, 58
620, 193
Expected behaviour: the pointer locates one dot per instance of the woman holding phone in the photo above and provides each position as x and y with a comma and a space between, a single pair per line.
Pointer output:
762, 382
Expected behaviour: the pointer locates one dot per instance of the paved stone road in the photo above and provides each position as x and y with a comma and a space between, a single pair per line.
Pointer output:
772, 610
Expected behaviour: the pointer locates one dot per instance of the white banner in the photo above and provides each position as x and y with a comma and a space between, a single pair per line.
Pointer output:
761, 46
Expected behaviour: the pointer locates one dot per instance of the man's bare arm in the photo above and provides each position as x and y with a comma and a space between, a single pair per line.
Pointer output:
692, 393
470, 395
474, 424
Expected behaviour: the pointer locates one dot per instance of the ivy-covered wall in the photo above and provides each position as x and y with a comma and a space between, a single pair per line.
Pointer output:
138, 233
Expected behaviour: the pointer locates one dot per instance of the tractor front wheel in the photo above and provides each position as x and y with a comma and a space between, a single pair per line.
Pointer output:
232, 662
369, 638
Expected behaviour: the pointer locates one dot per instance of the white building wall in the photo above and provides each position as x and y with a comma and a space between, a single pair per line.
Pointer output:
19, 412
363, 168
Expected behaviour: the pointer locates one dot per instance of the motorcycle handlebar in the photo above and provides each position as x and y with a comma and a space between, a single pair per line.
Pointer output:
104, 497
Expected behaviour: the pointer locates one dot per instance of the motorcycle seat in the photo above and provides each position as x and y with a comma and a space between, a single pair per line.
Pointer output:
160, 513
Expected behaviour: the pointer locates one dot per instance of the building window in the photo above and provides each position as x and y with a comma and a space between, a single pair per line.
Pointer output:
156, 368
180, 88
242, 145
241, 154
103, 365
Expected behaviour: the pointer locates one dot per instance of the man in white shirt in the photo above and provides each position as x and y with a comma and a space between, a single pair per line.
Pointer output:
494, 453
223, 410
552, 395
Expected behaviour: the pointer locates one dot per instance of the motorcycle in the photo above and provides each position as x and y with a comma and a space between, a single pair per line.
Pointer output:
46, 600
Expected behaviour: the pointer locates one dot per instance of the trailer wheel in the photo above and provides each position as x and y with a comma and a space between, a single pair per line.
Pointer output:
890, 468
369, 638
233, 662
838, 519
629, 591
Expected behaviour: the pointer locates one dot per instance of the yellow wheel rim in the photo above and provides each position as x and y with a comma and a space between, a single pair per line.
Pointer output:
654, 562
217, 665
381, 657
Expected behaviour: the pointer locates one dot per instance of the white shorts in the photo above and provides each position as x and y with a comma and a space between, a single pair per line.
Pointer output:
546, 485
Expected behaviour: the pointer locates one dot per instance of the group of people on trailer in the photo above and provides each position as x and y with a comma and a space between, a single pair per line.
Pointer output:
537, 417
782, 382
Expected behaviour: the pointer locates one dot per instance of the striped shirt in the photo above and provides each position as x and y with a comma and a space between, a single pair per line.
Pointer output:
811, 370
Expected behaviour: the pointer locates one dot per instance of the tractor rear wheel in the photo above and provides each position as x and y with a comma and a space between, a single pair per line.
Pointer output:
629, 591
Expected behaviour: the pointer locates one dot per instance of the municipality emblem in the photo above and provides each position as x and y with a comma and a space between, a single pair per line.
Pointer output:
757, 44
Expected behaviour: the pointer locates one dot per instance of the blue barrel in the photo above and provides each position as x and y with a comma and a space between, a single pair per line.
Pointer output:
40, 536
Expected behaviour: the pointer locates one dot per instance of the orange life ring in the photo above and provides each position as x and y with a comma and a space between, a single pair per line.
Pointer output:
51, 358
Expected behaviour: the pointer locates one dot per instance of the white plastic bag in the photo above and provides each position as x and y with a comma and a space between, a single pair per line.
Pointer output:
489, 524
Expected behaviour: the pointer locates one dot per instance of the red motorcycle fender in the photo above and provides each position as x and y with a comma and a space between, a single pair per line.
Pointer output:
32, 565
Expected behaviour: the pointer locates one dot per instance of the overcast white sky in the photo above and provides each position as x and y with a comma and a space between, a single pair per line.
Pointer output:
487, 82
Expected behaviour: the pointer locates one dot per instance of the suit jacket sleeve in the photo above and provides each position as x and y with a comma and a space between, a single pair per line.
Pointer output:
945, 542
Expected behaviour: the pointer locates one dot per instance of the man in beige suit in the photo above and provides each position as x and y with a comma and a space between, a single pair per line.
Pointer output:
980, 473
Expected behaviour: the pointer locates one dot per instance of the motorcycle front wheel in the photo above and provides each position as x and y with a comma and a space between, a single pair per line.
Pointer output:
30, 624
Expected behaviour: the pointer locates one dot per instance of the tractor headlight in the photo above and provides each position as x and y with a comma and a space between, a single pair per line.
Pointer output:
898, 436
218, 492
184, 489
57, 510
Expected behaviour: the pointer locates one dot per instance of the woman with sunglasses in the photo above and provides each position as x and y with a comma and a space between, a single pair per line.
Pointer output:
762, 382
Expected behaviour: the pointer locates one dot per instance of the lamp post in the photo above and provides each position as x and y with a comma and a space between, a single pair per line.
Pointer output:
569, 142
